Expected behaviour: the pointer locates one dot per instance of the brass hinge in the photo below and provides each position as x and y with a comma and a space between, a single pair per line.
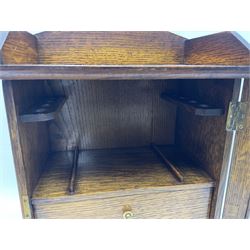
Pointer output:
236, 116
27, 214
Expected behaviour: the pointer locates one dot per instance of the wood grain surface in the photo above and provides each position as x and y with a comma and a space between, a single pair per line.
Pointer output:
107, 180
238, 193
203, 138
225, 48
114, 171
34, 138
19, 48
110, 48
119, 72
44, 109
109, 114
193, 106
124, 113
30, 144
186, 204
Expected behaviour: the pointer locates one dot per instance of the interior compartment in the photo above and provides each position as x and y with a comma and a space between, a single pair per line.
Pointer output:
114, 125
109, 179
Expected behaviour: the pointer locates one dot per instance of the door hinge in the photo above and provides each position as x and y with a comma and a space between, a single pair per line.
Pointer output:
236, 116
27, 214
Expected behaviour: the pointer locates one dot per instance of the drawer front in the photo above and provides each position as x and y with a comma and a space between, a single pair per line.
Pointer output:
177, 204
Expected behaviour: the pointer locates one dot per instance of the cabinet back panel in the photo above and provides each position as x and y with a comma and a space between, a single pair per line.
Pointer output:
105, 48
109, 114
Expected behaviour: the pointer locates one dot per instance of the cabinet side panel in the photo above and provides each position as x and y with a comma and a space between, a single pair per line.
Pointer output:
203, 138
34, 136
19, 48
225, 48
29, 140
238, 192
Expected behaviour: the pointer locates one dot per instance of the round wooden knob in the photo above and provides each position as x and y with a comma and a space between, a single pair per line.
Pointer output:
127, 213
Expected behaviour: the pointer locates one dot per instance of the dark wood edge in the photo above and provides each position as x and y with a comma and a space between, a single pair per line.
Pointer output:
115, 72
47, 115
193, 108
173, 169
233, 33
11, 112
72, 182
130, 192
173, 34
240, 39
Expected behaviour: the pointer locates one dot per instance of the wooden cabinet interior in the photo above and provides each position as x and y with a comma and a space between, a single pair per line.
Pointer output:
103, 127
129, 115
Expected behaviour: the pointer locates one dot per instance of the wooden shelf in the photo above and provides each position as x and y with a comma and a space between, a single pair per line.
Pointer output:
119, 72
111, 172
193, 106
44, 110
121, 55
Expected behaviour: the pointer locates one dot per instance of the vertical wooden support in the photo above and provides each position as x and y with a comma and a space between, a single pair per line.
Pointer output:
72, 182
175, 172
16, 149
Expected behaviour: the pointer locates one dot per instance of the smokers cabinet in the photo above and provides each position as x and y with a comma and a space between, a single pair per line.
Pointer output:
128, 124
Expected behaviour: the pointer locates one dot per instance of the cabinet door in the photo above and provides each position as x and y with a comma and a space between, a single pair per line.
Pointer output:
238, 192
236, 188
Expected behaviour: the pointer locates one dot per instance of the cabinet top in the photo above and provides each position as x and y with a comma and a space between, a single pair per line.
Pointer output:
162, 53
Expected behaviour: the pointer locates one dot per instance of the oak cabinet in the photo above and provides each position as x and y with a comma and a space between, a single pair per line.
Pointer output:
128, 124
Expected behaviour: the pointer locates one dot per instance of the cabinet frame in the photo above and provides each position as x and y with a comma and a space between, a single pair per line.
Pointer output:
195, 61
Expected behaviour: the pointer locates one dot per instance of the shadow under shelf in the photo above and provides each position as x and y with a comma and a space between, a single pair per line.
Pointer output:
44, 110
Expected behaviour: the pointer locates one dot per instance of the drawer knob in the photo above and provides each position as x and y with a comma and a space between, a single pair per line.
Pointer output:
127, 213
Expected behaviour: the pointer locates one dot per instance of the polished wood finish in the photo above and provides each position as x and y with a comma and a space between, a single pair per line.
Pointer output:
225, 48
123, 48
228, 155
121, 55
173, 169
238, 193
119, 72
107, 178
127, 112
185, 204
45, 109
29, 141
105, 48
73, 174
19, 48
203, 138
96, 112
114, 172
193, 106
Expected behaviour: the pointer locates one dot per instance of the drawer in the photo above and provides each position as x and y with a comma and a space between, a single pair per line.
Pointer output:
169, 205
